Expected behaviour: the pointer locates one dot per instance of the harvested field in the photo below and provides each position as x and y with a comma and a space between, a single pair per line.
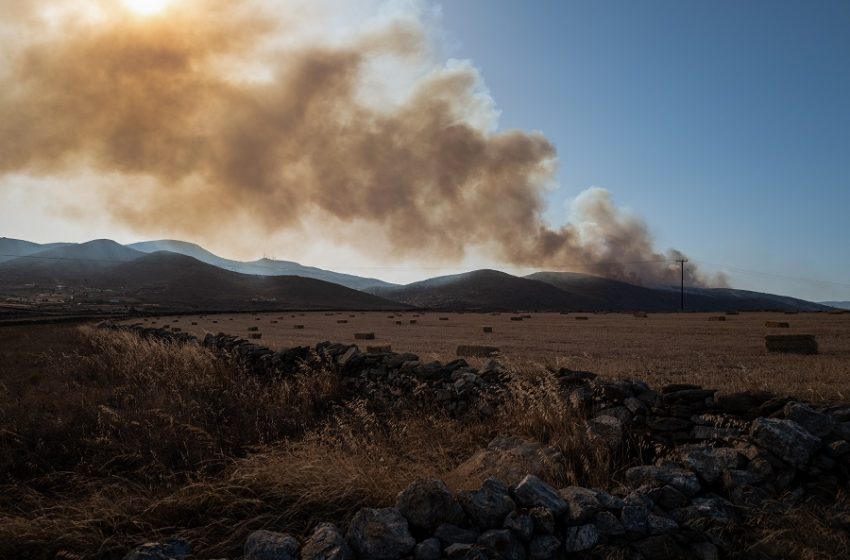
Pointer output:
662, 348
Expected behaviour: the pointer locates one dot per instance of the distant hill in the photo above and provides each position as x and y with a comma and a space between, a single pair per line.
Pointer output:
14, 248
749, 300
171, 272
837, 304
485, 290
65, 263
568, 291
611, 294
262, 267
180, 280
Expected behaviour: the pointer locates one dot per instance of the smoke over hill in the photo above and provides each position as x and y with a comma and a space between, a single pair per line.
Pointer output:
215, 112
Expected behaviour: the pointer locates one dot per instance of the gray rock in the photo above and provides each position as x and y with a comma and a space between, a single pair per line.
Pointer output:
635, 406
659, 525
270, 545
507, 458
429, 549
607, 525
582, 504
710, 462
326, 542
635, 521
427, 503
621, 413
669, 424
521, 524
380, 534
607, 429
544, 547
649, 475
504, 543
544, 521
668, 497
488, 506
172, 549
786, 438
661, 547
449, 534
532, 492
713, 508
608, 501
815, 422
705, 551
580, 537
842, 430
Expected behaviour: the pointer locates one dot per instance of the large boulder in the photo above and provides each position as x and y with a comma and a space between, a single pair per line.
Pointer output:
380, 534
326, 543
488, 506
427, 503
817, 423
270, 545
653, 476
580, 537
605, 428
710, 462
532, 492
503, 542
785, 438
582, 503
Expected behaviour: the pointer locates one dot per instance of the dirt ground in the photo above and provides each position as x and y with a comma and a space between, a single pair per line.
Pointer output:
660, 348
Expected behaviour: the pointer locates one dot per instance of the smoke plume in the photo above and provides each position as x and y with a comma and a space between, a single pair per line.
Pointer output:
224, 110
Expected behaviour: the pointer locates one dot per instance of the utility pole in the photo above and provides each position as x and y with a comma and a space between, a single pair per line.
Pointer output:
682, 285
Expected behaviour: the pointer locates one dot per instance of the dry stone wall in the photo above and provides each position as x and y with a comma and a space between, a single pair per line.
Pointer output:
714, 458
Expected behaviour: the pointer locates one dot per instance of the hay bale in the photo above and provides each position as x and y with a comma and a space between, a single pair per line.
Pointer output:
253, 329
791, 343
640, 315
329, 314
717, 318
297, 326
176, 329
273, 321
364, 336
413, 321
476, 351
582, 318
777, 324
194, 323
398, 323
379, 349
342, 321
526, 316
488, 329
215, 322
444, 318
732, 313
516, 318
791, 312
255, 336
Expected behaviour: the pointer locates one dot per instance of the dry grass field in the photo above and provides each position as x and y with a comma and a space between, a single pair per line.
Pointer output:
108, 440
660, 349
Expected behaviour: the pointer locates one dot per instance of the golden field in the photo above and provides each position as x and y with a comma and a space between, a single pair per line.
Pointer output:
662, 348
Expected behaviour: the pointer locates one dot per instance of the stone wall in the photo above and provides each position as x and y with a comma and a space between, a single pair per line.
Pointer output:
714, 458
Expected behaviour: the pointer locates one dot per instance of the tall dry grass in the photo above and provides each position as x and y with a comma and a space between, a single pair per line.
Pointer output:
151, 440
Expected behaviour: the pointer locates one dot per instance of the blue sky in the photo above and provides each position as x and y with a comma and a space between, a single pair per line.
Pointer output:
726, 125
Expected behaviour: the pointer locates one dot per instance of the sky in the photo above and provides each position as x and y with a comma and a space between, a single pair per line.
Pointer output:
724, 126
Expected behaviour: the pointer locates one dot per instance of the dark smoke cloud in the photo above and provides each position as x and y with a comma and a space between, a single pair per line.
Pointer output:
209, 118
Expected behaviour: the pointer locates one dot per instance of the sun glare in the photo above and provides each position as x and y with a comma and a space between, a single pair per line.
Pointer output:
146, 7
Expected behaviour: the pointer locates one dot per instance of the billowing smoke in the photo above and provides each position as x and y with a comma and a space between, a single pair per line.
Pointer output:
225, 110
